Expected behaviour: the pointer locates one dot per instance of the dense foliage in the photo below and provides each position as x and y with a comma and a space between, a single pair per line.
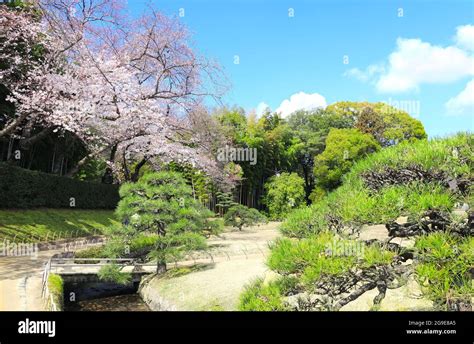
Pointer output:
21, 188
240, 216
161, 204
355, 204
387, 124
422, 180
343, 148
284, 192
320, 146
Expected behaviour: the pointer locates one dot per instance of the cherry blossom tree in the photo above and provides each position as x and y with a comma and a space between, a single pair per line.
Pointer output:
126, 87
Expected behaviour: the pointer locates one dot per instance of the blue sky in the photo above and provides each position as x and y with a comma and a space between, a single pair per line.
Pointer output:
423, 59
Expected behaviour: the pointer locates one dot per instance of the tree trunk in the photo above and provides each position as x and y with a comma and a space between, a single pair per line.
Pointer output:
28, 142
136, 173
83, 161
308, 182
13, 125
160, 267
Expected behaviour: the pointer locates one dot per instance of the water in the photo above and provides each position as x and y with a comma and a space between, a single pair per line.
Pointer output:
118, 303
100, 296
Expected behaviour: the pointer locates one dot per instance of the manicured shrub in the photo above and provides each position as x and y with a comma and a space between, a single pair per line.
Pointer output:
354, 204
161, 204
21, 188
240, 216
322, 255
328, 263
304, 222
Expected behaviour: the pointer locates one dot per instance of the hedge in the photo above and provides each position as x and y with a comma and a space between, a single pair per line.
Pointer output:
21, 188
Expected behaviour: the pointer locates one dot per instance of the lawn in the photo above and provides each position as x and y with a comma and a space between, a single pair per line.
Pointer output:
47, 224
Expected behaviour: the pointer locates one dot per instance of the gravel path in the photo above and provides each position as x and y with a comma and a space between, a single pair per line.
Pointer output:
217, 286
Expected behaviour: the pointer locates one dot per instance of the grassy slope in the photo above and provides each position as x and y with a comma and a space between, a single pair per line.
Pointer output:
42, 224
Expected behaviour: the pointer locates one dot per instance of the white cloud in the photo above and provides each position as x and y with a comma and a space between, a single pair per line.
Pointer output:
261, 108
415, 62
465, 37
463, 103
301, 101
365, 75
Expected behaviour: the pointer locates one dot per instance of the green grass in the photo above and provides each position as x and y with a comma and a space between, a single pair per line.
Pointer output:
444, 267
56, 289
322, 255
262, 298
51, 224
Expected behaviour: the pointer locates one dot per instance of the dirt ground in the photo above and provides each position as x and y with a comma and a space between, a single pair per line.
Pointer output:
239, 258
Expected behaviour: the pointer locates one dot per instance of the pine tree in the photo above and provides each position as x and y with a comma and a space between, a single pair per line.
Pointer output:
162, 203
225, 200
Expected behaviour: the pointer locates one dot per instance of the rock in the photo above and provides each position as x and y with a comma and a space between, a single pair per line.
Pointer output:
362, 303
406, 298
152, 297
402, 219
378, 232
403, 242
460, 213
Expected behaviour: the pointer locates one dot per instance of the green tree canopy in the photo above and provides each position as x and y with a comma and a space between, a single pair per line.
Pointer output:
284, 192
386, 123
343, 148
309, 130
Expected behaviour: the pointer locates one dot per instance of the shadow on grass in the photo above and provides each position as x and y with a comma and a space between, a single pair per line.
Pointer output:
42, 224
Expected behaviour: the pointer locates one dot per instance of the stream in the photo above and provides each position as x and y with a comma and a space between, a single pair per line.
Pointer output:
103, 297
120, 303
